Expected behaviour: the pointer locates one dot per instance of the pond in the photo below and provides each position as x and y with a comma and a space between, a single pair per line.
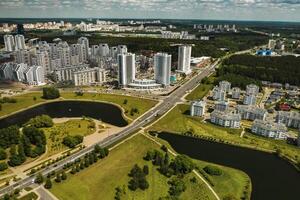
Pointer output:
108, 113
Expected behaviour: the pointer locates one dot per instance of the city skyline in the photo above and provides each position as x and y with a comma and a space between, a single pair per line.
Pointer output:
256, 10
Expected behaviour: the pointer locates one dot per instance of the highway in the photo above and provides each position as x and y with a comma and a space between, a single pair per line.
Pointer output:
151, 116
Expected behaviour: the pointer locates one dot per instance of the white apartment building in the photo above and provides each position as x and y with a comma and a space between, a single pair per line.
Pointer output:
252, 89
184, 59
198, 108
103, 50
225, 86
162, 68
24, 56
235, 93
290, 119
269, 129
249, 99
218, 94
222, 105
225, 119
126, 65
18, 72
90, 76
252, 112
20, 42
85, 43
9, 42
6, 71
122, 49
28, 76
38, 75
67, 73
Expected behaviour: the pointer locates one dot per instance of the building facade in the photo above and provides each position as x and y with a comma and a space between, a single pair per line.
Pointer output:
269, 129
198, 108
252, 112
90, 76
290, 119
225, 119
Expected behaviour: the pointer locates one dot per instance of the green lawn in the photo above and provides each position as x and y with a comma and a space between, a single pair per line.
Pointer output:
26, 100
56, 133
100, 180
23, 102
29, 196
179, 121
142, 105
231, 183
200, 91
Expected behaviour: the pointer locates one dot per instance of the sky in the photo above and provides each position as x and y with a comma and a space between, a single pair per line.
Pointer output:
262, 10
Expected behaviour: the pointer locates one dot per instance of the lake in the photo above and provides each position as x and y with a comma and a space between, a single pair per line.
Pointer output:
272, 177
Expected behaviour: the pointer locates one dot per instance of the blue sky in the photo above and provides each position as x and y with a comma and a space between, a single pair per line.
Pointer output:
278, 10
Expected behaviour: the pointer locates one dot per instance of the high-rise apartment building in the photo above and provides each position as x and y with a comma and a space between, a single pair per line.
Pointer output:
19, 42
9, 42
184, 59
162, 68
126, 63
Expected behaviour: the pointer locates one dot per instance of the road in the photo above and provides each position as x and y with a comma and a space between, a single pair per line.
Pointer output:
148, 117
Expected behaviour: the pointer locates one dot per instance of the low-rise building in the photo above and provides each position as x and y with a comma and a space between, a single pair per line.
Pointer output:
90, 76
225, 86
252, 112
198, 108
218, 94
290, 119
249, 99
67, 73
222, 105
252, 89
226, 119
269, 129
235, 93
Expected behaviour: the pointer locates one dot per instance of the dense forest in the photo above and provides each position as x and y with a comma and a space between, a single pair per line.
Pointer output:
281, 69
234, 42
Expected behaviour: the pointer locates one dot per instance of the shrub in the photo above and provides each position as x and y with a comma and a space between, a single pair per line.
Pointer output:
212, 170
50, 93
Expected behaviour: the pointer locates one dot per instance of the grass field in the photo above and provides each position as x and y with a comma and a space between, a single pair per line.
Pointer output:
100, 180
26, 100
56, 133
200, 91
179, 121
231, 183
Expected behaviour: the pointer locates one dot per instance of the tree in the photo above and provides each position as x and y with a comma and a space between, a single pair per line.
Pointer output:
3, 154
9, 136
177, 186
48, 184
40, 121
58, 178
3, 166
125, 101
182, 164
50, 93
97, 148
146, 169
63, 175
72, 141
39, 179
34, 98
212, 170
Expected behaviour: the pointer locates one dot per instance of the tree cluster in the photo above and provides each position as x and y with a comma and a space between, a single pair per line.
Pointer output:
8, 100
72, 141
50, 93
282, 69
9, 136
138, 178
40, 121
212, 170
34, 141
